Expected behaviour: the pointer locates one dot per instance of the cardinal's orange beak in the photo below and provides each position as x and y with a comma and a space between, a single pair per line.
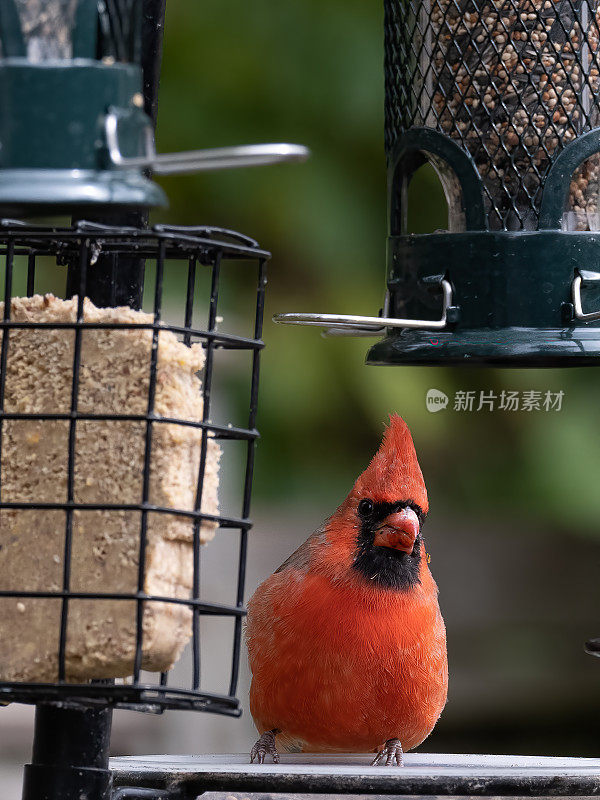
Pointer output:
398, 531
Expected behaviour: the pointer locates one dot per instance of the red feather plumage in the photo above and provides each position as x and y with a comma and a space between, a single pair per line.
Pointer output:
339, 663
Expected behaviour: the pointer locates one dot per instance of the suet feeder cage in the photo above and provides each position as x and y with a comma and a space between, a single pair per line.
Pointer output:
501, 99
100, 563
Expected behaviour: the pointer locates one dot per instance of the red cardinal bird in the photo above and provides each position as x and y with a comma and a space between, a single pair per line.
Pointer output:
346, 642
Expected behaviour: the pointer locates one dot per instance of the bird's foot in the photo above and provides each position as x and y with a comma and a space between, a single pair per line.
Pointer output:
265, 745
391, 755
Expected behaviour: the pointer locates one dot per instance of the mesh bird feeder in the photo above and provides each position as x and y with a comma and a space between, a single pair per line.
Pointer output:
501, 99
111, 442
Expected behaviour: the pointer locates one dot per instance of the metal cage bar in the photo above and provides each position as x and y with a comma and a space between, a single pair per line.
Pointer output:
250, 453
83, 264
139, 632
208, 371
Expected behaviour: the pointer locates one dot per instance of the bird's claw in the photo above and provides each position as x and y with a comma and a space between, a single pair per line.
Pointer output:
391, 755
263, 746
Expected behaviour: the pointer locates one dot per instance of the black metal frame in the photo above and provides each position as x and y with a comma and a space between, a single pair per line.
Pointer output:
425, 775
201, 247
120, 25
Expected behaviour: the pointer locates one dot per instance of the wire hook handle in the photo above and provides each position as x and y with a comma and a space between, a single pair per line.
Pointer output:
251, 155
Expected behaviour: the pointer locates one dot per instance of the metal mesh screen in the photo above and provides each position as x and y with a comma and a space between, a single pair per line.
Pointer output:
512, 82
104, 262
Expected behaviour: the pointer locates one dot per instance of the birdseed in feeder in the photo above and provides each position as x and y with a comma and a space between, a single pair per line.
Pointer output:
513, 82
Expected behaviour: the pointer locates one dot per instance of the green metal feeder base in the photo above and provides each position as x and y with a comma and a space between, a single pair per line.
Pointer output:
54, 153
474, 296
505, 347
27, 191
515, 299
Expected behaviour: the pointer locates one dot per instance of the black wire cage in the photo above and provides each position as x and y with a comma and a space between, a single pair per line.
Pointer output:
49, 612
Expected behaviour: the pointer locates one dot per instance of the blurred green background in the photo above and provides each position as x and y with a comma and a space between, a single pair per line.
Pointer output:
515, 496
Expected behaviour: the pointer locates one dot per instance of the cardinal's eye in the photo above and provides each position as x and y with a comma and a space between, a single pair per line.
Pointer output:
365, 508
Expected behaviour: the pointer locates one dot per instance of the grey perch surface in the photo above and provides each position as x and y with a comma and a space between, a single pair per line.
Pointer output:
423, 774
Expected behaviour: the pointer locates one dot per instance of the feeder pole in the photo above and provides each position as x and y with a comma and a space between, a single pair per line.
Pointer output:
70, 754
152, 41
110, 284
